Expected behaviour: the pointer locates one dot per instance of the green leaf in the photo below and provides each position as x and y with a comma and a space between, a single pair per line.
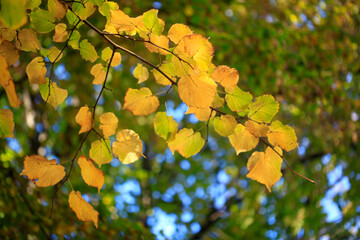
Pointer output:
100, 152
13, 13
152, 22
165, 126
74, 40
87, 51
263, 109
84, 12
186, 142
237, 99
6, 123
106, 8
42, 21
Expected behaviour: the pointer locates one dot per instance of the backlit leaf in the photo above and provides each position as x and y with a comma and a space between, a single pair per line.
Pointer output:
263, 109
99, 73
53, 94
109, 123
84, 119
10, 52
6, 123
227, 77
61, 34
100, 152
165, 126
282, 135
242, 140
140, 101
202, 114
87, 51
106, 8
36, 71
92, 175
186, 143
152, 22
237, 99
42, 172
200, 49
224, 125
106, 55
128, 146
177, 32
121, 22
8, 84
83, 210
197, 90
28, 41
57, 9
167, 68
257, 129
13, 13
84, 10
42, 21
141, 73
53, 54
74, 40
158, 44
265, 167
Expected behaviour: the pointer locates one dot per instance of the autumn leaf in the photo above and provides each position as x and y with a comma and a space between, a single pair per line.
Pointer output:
6, 123
83, 210
177, 32
42, 21
84, 119
57, 9
159, 44
263, 109
224, 125
237, 99
92, 176
140, 101
100, 152
36, 71
99, 73
202, 114
200, 49
165, 126
8, 84
106, 55
128, 146
265, 167
141, 73
61, 34
109, 123
28, 41
282, 135
10, 52
87, 51
53, 54
186, 142
84, 10
152, 23
257, 129
42, 172
242, 140
13, 13
168, 68
227, 77
51, 93
121, 22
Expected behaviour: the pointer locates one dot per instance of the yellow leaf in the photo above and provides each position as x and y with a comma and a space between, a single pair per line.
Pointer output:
99, 73
202, 114
83, 210
242, 140
109, 123
36, 71
61, 34
140, 101
7, 83
116, 60
224, 125
106, 55
51, 93
282, 135
169, 69
265, 167
152, 24
141, 73
257, 129
200, 49
177, 32
121, 22
7, 34
100, 152
186, 142
263, 109
6, 123
92, 176
217, 102
27, 41
53, 54
84, 119
237, 99
227, 77
197, 90
158, 44
165, 126
128, 146
10, 52
42, 172
57, 9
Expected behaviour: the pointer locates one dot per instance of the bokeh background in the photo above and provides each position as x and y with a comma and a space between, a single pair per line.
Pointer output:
305, 53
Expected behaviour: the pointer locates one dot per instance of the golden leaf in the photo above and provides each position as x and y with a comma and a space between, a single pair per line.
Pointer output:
128, 146
140, 101
92, 176
109, 123
84, 119
83, 210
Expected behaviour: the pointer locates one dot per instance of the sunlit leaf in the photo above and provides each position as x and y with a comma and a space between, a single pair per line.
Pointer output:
83, 210
84, 10
186, 142
61, 34
177, 32
227, 77
74, 40
282, 135
13, 13
84, 119
141, 73
57, 9
6, 123
53, 94
42, 21
140, 101
109, 123
263, 109
202, 114
53, 54
10, 52
106, 8
152, 22
237, 99
165, 126
36, 71
257, 129
224, 125
100, 152
87, 51
98, 71
128, 146
200, 49
242, 140
121, 22
8, 84
92, 176
42, 172
28, 41
159, 44
167, 68
265, 167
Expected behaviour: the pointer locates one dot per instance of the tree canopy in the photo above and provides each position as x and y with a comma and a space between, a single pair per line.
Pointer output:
179, 119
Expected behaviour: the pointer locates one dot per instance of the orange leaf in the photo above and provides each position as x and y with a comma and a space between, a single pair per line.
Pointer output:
36, 71
109, 123
140, 101
83, 210
227, 77
128, 146
92, 176
84, 119
7, 82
